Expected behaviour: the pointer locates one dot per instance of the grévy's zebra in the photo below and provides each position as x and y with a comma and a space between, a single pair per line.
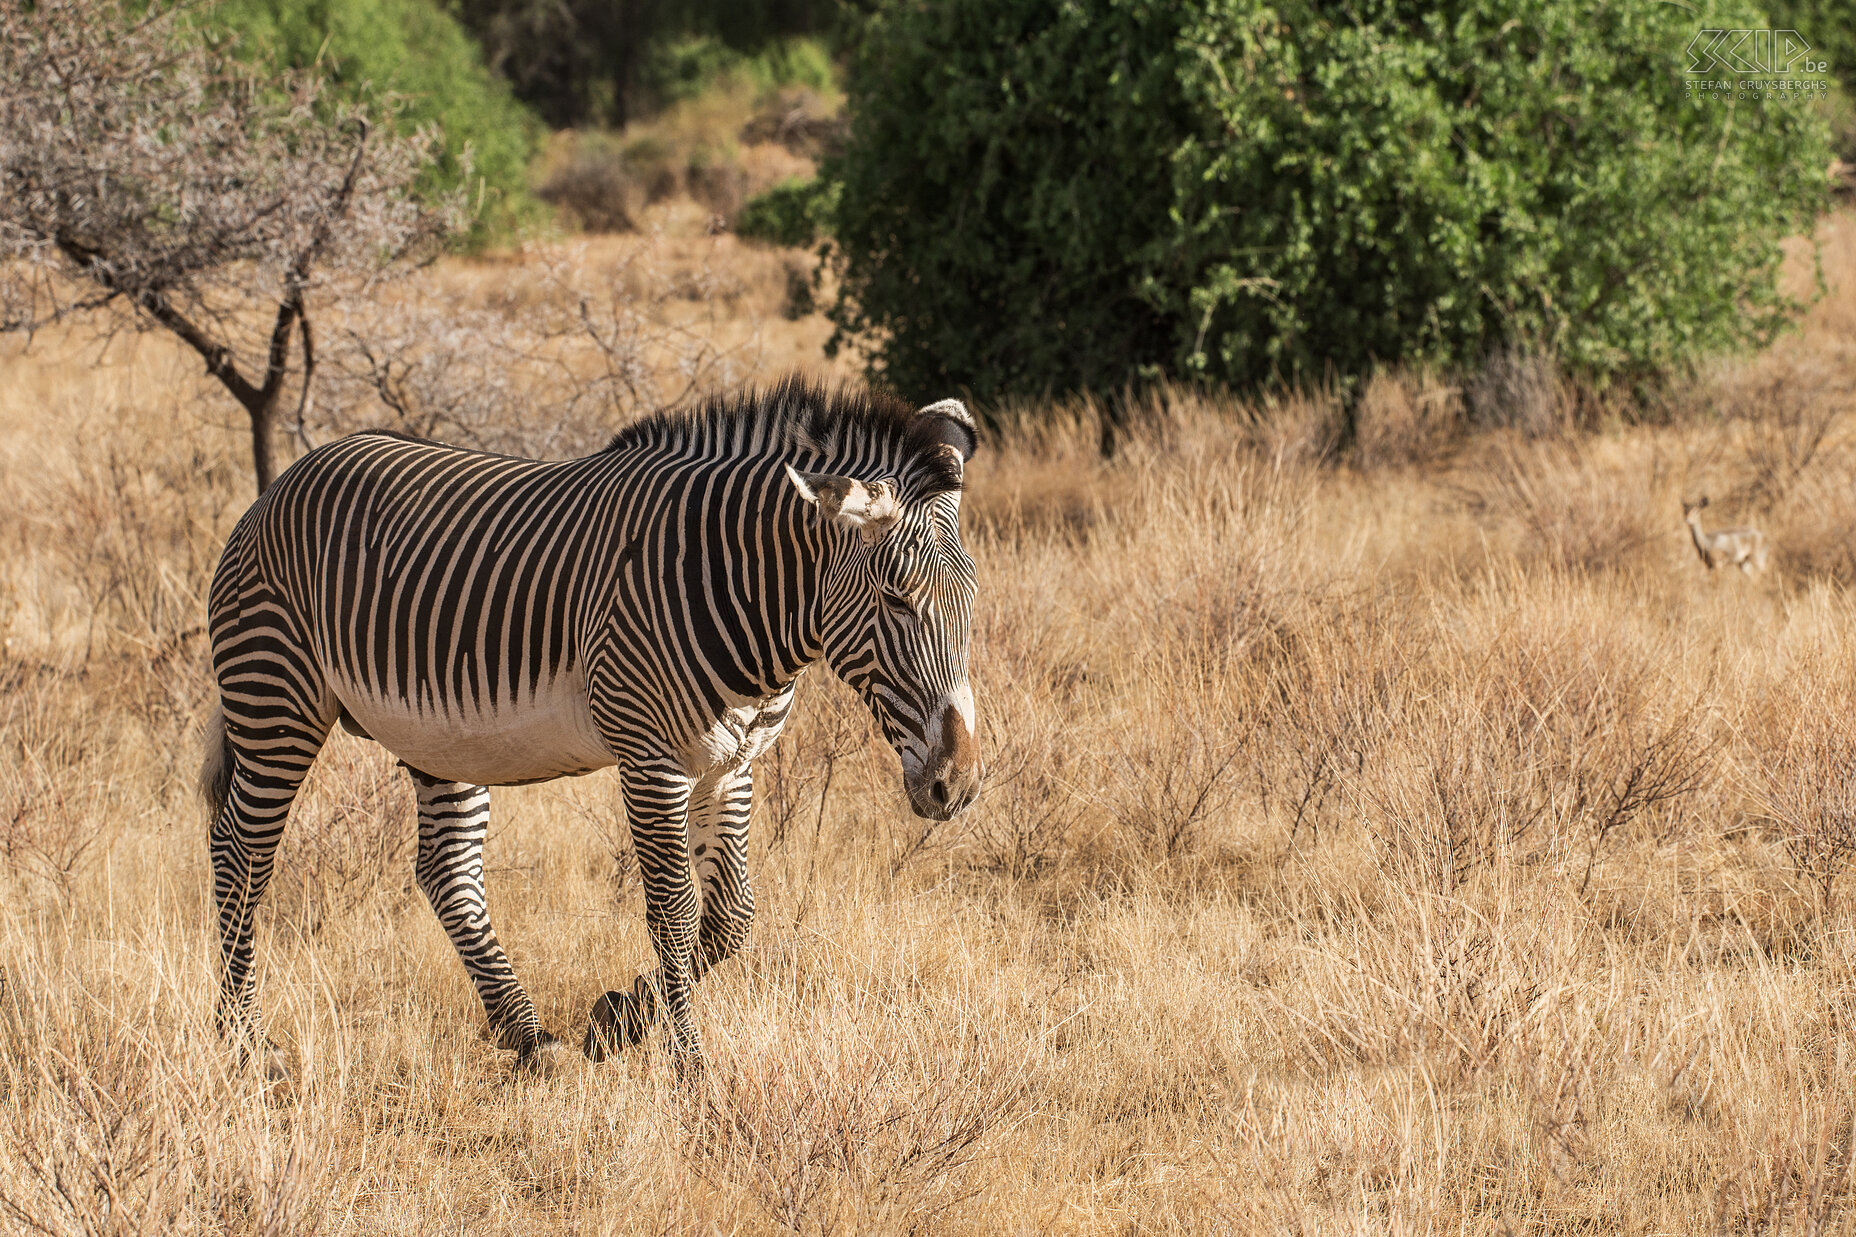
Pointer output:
495, 621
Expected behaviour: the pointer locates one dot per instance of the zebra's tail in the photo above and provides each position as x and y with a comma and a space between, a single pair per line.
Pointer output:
216, 769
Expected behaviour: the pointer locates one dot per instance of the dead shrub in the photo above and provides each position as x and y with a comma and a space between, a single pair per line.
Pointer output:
1569, 509
1404, 419
798, 118
1806, 781
1163, 783
1813, 532
1224, 612
602, 182
1319, 707
1447, 805
1549, 749
1658, 763
835, 1137
1609, 736
350, 835
1522, 390
1023, 820
793, 781
1789, 416
719, 183
801, 277
555, 374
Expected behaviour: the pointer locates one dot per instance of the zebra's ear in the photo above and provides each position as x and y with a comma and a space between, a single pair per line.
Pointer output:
870, 508
949, 423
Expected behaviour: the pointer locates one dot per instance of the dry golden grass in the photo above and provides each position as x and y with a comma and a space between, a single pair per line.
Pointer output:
1425, 847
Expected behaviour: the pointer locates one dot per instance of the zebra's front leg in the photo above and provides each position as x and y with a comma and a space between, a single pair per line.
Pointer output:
718, 832
657, 803
453, 818
719, 853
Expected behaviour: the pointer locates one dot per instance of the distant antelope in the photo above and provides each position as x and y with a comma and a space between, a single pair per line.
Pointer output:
1744, 548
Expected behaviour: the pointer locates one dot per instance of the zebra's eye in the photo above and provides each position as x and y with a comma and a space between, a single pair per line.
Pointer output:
897, 604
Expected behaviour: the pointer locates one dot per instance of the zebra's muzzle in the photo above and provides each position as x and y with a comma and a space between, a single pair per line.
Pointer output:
950, 778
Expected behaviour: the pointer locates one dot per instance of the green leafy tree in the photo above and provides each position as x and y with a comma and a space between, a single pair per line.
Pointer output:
792, 213
416, 55
1044, 195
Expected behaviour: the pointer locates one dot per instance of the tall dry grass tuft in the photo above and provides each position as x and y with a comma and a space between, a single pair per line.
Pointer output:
122, 1114
1521, 390
1568, 505
1800, 763
1406, 419
828, 1136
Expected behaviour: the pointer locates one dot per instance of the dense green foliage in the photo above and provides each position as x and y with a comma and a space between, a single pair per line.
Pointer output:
794, 212
1829, 26
1056, 194
415, 55
684, 68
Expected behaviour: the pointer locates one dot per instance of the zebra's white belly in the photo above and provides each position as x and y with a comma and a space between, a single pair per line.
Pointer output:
550, 735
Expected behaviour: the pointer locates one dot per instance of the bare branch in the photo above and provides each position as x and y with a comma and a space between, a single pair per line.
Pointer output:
202, 195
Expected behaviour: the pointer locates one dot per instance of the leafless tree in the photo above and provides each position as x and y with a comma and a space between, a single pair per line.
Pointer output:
150, 179
550, 365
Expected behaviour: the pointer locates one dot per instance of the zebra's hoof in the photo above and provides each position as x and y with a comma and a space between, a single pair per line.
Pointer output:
615, 1024
545, 1059
268, 1064
689, 1064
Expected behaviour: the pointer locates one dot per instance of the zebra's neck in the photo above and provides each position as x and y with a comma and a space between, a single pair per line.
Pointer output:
737, 556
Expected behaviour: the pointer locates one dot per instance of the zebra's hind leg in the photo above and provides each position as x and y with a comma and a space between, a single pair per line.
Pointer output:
257, 762
718, 829
453, 818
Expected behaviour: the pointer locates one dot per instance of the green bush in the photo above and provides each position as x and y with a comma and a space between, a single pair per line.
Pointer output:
413, 50
1829, 26
1042, 195
682, 68
794, 212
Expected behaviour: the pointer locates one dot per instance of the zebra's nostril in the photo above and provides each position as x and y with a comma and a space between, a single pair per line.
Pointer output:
938, 792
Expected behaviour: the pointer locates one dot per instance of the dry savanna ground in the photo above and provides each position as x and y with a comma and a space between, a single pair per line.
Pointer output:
1414, 839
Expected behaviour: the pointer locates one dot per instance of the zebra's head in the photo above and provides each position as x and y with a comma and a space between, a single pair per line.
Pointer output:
898, 604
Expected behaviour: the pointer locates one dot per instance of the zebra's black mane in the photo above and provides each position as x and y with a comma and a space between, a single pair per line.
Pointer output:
835, 420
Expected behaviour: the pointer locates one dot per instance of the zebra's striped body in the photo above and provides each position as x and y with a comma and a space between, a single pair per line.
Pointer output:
494, 621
